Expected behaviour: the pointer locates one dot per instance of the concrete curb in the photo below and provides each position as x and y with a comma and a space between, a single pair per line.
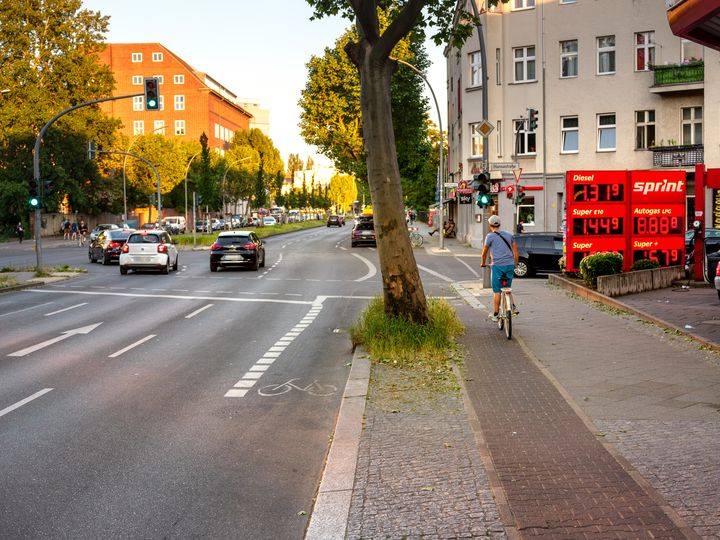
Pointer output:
329, 517
595, 296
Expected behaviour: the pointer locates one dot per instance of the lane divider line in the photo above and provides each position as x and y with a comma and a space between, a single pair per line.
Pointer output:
191, 315
22, 402
66, 309
132, 346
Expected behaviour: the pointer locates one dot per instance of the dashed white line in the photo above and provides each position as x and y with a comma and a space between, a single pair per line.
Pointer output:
22, 402
26, 309
132, 346
191, 315
66, 309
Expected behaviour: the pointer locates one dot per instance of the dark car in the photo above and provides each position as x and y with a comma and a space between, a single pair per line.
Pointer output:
539, 252
334, 221
107, 245
237, 248
363, 233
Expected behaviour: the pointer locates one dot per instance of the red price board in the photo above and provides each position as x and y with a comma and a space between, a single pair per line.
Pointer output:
638, 213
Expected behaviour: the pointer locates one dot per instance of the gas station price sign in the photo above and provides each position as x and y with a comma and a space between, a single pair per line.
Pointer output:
640, 213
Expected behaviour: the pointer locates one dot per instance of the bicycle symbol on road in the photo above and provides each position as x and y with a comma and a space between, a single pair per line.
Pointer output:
314, 388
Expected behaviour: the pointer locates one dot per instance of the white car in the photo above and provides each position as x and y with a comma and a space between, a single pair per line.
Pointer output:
149, 250
269, 220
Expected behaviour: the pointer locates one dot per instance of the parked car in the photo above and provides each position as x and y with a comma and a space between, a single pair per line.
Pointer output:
149, 227
215, 224
711, 254
539, 252
334, 221
363, 232
174, 224
269, 220
107, 245
102, 227
149, 250
237, 248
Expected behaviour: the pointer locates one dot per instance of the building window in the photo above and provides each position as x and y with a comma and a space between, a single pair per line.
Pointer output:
569, 58
476, 141
499, 141
523, 4
162, 102
524, 58
159, 127
607, 133
644, 129
526, 211
524, 140
217, 131
157, 57
606, 55
498, 64
179, 127
159, 78
138, 103
138, 127
570, 128
179, 103
691, 51
179, 79
475, 69
137, 80
692, 125
136, 57
644, 50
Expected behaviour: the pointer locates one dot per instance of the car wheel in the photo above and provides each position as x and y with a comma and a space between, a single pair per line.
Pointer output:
353, 244
213, 267
262, 263
166, 269
105, 260
123, 270
175, 266
523, 269
90, 257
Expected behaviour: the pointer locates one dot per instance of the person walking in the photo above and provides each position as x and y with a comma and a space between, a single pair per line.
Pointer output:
73, 231
520, 227
504, 253
66, 229
83, 230
20, 231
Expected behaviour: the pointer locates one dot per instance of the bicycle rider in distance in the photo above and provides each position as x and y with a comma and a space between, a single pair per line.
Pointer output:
504, 253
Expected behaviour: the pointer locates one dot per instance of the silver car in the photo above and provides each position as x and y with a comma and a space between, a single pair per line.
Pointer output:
149, 250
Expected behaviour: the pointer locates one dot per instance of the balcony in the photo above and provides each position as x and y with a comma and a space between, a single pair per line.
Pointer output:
678, 156
678, 77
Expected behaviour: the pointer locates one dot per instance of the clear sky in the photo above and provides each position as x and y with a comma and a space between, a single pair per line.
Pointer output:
256, 48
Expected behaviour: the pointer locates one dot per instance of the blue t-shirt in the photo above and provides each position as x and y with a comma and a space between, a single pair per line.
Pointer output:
502, 253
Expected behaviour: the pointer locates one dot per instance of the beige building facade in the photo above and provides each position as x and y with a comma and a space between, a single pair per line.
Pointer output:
614, 90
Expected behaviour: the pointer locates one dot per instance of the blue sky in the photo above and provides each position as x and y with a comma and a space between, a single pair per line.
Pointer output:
256, 48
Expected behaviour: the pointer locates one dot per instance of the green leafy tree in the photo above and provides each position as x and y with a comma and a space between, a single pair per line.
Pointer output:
207, 186
270, 163
48, 60
371, 54
342, 191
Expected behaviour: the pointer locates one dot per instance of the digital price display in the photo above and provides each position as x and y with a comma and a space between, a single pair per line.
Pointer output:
592, 193
594, 226
579, 249
658, 220
664, 252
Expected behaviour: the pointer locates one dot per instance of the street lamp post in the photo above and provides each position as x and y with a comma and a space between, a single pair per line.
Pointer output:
187, 170
440, 172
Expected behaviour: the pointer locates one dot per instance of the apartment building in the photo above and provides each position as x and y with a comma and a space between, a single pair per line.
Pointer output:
191, 102
614, 88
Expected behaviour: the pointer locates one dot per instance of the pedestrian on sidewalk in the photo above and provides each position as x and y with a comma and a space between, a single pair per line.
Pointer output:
20, 231
66, 229
74, 230
504, 253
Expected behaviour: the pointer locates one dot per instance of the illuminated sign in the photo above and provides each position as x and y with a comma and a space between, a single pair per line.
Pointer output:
638, 213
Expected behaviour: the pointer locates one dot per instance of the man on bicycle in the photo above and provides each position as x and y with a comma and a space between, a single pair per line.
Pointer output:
503, 249
83, 232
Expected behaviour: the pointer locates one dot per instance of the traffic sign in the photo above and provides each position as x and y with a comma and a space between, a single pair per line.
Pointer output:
451, 184
504, 166
485, 128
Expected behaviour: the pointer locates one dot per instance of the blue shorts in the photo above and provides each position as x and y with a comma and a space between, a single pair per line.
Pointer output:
507, 270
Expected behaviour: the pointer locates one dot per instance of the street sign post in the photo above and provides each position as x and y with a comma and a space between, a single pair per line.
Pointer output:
504, 166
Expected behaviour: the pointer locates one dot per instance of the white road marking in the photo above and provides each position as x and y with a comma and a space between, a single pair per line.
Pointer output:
259, 367
61, 337
191, 315
26, 309
436, 274
236, 393
245, 384
22, 402
371, 268
65, 309
468, 267
132, 346
252, 375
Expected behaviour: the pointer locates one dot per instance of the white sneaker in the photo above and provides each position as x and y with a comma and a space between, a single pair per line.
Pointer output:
493, 317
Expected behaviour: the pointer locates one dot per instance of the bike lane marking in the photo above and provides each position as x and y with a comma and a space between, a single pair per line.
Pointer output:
243, 386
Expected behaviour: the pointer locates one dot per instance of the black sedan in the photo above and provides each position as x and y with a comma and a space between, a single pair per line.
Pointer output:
540, 252
106, 246
334, 221
363, 233
236, 249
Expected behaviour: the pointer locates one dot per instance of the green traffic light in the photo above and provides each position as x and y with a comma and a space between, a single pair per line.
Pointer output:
151, 104
34, 202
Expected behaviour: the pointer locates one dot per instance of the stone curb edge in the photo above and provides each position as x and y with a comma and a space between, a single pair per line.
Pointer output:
329, 517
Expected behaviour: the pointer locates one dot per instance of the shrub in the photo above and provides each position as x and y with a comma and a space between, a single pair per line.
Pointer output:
561, 264
644, 264
600, 264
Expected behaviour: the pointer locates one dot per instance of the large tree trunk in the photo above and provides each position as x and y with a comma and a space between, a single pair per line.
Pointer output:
403, 290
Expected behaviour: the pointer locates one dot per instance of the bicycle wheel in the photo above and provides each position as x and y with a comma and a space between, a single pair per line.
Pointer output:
276, 389
416, 240
507, 315
501, 318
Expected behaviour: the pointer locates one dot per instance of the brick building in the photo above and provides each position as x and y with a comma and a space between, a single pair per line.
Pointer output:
191, 102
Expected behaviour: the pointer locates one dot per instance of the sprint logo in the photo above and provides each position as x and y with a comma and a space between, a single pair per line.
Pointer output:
658, 186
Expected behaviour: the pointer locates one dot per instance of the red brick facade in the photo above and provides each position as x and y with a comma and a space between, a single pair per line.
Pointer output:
192, 103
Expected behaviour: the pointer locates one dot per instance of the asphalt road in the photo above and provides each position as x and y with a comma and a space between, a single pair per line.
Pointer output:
195, 404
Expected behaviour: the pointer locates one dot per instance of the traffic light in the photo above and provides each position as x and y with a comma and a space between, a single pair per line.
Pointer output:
520, 194
482, 179
152, 94
532, 119
510, 191
48, 187
34, 197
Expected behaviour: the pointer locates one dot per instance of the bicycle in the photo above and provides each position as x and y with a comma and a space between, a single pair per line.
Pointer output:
416, 239
81, 239
314, 388
505, 313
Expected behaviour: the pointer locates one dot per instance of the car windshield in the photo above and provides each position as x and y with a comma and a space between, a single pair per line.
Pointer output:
364, 226
144, 239
233, 240
118, 235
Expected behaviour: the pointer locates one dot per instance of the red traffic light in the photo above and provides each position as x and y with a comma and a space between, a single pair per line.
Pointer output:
510, 191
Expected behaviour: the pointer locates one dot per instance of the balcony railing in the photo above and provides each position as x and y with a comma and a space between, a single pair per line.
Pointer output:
678, 156
692, 72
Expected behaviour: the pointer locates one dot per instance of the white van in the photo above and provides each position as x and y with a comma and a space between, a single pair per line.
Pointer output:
176, 224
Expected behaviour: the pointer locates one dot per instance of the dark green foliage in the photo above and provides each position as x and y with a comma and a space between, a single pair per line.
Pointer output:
600, 264
644, 264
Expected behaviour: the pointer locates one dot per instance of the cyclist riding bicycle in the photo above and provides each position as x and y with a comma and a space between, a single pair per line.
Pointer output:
83, 232
504, 252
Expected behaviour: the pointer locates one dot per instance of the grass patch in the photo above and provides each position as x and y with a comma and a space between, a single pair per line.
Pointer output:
68, 268
7, 281
262, 232
393, 341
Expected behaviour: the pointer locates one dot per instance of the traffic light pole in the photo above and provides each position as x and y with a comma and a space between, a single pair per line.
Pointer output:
36, 170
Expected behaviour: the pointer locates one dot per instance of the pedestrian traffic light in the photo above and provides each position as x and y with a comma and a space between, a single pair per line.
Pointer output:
532, 119
48, 187
34, 196
510, 191
152, 94
520, 194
